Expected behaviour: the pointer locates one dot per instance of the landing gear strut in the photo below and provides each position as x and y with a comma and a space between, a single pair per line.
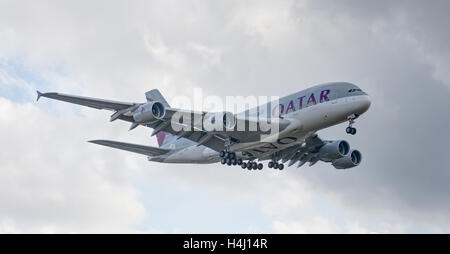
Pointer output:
351, 121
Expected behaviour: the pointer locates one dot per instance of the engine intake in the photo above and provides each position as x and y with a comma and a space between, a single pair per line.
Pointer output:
149, 112
334, 150
353, 159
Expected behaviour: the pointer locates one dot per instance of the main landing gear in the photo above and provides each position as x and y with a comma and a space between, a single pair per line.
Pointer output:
229, 158
252, 165
351, 121
276, 165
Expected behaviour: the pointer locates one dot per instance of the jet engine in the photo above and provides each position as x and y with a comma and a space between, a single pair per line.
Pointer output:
333, 150
149, 112
219, 121
351, 160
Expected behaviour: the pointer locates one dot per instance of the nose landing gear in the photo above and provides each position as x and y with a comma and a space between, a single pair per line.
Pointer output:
351, 121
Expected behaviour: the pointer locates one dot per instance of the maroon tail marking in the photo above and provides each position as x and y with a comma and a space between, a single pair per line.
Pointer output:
160, 137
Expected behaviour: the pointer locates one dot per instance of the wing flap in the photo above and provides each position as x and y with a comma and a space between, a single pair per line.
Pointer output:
141, 149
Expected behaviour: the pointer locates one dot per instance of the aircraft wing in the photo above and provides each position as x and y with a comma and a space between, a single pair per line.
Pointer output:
309, 151
123, 109
145, 150
215, 140
87, 101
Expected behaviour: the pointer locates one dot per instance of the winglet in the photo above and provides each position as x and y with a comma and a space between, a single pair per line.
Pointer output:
39, 94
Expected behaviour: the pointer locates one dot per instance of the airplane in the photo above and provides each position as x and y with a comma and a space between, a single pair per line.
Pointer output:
297, 117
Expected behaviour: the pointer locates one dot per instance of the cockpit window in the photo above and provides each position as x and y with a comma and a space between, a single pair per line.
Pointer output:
354, 90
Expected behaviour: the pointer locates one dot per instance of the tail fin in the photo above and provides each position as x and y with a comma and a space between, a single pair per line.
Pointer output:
162, 137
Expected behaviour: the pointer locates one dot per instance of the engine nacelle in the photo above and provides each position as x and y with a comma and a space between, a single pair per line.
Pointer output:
219, 121
149, 112
334, 150
353, 159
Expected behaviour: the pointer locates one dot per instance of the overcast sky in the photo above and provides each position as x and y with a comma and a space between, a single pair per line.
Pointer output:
52, 180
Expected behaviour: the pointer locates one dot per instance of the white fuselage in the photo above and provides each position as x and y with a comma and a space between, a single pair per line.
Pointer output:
305, 121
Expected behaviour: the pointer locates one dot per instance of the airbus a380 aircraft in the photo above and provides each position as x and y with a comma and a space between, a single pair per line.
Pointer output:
200, 137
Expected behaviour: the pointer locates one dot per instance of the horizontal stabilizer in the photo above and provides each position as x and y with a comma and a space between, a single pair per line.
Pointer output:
146, 150
39, 94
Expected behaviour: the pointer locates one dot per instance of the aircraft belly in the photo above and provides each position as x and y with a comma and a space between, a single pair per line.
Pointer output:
193, 154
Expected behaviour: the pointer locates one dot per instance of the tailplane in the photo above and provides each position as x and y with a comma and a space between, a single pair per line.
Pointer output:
162, 137
146, 150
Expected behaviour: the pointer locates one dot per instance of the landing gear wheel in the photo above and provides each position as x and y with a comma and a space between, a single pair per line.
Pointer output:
281, 166
243, 165
239, 161
229, 162
353, 131
249, 165
223, 161
255, 166
270, 164
222, 154
349, 130
275, 165
260, 166
234, 162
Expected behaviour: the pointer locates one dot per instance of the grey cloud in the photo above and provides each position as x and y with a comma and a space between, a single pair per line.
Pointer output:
403, 137
395, 50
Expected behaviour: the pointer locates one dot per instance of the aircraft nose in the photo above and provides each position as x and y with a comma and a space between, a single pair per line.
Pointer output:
365, 103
